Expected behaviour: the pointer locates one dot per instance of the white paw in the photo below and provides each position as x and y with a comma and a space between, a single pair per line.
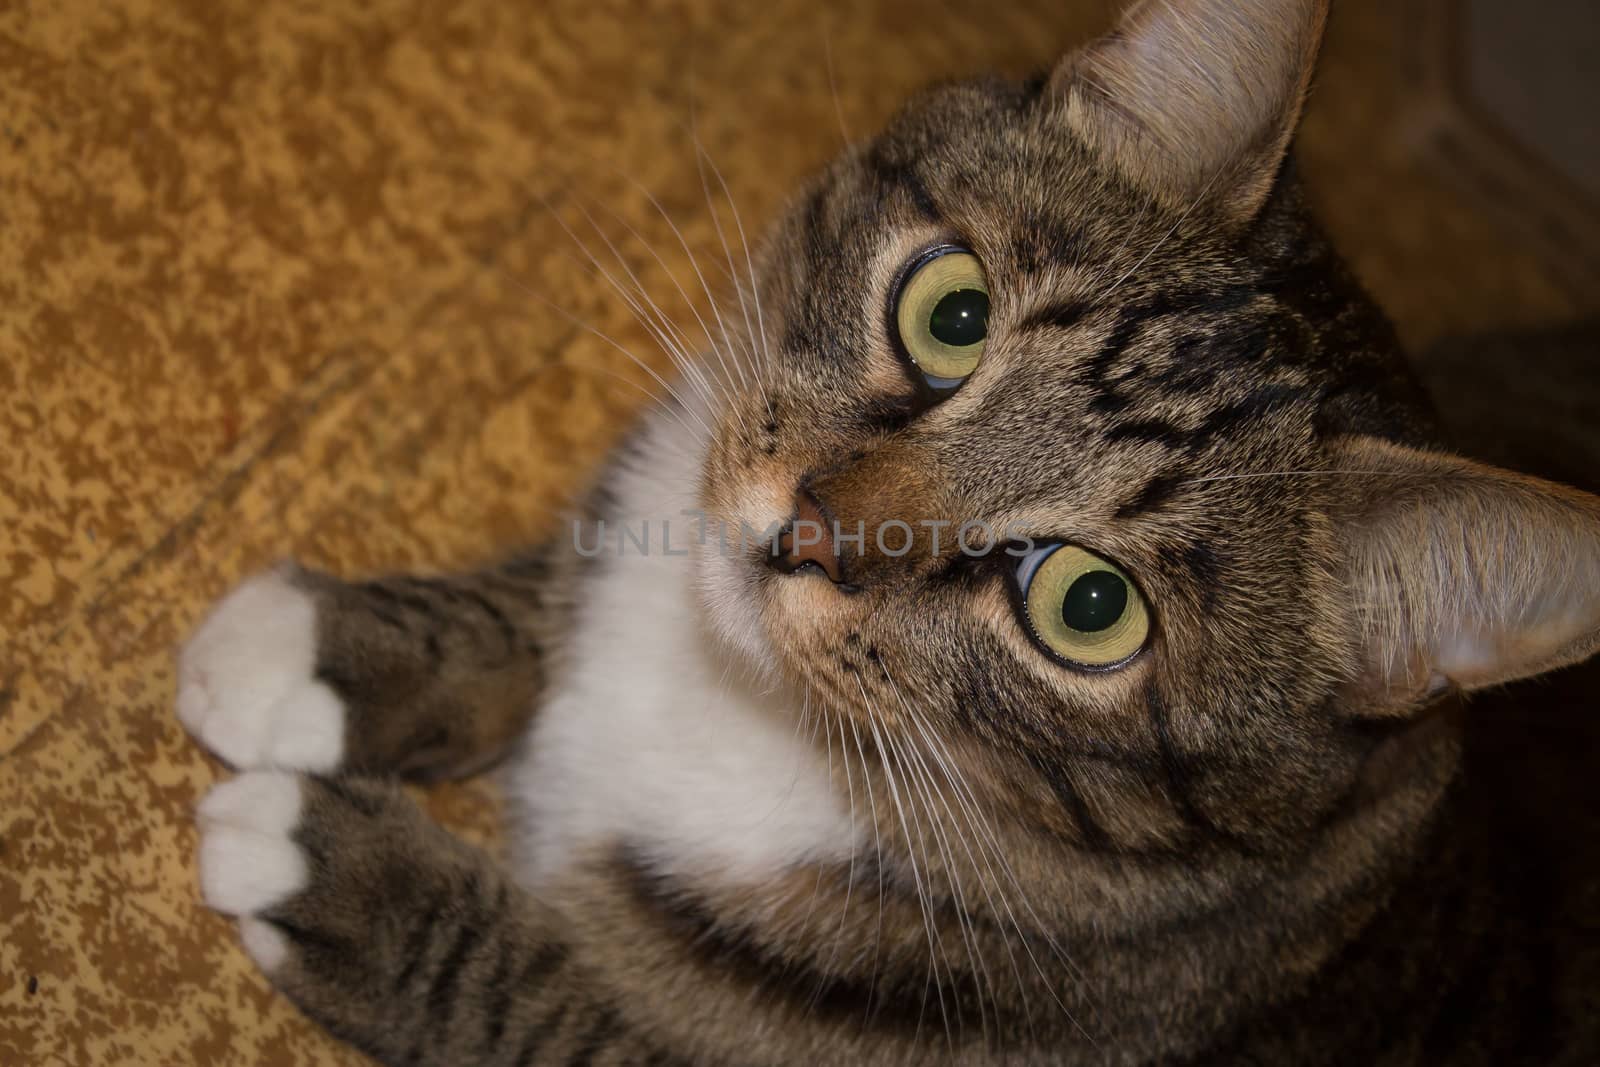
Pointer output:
248, 860
246, 687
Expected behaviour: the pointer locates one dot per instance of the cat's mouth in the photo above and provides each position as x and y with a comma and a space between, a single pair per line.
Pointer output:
764, 585
728, 572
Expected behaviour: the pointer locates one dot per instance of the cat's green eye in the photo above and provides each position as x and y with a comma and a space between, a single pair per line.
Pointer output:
1081, 607
942, 316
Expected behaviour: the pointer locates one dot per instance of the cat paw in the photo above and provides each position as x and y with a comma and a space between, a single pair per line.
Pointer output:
304, 863
247, 688
249, 861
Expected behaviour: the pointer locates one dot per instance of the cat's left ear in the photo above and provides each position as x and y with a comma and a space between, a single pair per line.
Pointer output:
1463, 575
1195, 101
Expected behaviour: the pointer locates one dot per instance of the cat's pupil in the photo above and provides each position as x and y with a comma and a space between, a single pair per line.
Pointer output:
960, 318
1095, 601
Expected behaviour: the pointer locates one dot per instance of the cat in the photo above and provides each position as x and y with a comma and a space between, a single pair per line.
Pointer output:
1153, 758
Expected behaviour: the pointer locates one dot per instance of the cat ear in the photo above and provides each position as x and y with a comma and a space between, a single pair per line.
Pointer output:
1196, 100
1463, 575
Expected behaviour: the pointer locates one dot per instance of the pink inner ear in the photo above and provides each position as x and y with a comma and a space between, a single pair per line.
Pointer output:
1465, 572
1197, 99
1496, 650
1462, 657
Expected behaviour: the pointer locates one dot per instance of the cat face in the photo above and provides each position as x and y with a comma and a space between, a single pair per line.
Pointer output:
1130, 357
1082, 331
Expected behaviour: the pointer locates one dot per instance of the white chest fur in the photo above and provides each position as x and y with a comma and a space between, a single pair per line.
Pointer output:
652, 736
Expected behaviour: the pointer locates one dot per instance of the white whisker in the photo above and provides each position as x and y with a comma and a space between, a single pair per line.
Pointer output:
924, 895
682, 405
1305, 473
656, 319
757, 330
986, 836
1196, 202
704, 285
941, 843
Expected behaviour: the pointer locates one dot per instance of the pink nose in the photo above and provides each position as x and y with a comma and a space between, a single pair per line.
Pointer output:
809, 539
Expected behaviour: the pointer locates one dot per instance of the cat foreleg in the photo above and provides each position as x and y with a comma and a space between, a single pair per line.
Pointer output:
423, 677
393, 934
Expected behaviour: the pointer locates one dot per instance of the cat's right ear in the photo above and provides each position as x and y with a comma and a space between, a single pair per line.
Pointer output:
1462, 575
1195, 101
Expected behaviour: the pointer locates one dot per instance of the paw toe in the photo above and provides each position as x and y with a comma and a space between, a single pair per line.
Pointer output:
248, 861
194, 702
263, 943
307, 730
264, 802
246, 680
243, 873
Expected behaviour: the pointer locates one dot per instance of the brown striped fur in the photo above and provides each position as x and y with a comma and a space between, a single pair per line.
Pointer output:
1251, 843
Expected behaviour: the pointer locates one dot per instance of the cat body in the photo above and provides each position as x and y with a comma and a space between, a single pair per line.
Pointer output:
1153, 759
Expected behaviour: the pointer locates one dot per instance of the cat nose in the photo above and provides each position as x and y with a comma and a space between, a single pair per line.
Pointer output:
807, 540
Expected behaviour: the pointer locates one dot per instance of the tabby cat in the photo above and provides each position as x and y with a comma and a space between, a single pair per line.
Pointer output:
1146, 759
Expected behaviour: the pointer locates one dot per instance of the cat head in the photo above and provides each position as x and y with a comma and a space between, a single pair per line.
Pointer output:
1138, 521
